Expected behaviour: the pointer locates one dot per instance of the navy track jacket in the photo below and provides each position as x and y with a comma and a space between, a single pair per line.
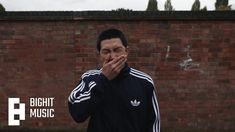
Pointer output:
127, 103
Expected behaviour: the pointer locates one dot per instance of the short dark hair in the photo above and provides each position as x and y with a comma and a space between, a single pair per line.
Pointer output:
109, 34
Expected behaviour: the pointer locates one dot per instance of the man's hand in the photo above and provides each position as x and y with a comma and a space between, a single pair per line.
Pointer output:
112, 69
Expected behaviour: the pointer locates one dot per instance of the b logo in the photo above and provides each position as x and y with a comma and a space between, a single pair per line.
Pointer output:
16, 111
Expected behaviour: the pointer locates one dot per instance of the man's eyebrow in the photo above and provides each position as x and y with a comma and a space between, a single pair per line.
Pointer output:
105, 49
118, 47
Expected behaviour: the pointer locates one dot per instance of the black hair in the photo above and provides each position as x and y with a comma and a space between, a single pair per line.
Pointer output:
109, 34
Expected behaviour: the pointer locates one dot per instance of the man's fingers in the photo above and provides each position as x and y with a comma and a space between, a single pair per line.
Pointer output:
106, 62
116, 60
112, 69
121, 61
119, 65
115, 64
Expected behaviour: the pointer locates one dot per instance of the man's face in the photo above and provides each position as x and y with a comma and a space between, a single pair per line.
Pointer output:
110, 49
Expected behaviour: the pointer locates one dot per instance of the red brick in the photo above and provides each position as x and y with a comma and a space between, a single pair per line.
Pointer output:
47, 59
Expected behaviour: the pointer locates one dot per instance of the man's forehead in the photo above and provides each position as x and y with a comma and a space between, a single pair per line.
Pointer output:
112, 40
111, 43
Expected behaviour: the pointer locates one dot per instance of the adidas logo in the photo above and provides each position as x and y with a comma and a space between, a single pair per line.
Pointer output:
135, 103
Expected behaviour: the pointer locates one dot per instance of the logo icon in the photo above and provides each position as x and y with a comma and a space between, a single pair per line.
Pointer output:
135, 103
16, 111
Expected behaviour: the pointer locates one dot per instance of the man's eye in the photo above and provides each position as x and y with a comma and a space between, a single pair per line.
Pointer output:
105, 52
118, 50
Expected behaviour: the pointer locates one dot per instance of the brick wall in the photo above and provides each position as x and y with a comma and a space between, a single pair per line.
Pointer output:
191, 58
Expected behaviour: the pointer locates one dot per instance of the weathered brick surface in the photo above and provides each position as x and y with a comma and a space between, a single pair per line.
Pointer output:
46, 59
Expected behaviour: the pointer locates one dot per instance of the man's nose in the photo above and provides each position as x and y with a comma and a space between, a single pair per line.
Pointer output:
112, 55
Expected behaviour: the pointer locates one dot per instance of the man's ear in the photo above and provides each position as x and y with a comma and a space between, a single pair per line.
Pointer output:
97, 54
98, 59
127, 50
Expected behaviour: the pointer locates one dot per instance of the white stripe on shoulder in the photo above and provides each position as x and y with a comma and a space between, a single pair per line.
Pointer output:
141, 75
156, 125
91, 72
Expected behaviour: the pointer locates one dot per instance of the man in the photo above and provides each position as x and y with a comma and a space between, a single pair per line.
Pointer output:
117, 98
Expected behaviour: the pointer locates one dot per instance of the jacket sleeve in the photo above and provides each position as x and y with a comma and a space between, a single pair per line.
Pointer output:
154, 114
85, 98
